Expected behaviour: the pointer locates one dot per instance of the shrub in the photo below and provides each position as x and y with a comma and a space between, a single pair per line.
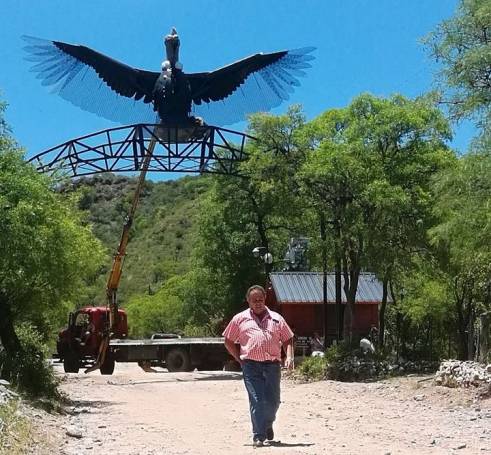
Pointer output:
29, 370
338, 352
312, 368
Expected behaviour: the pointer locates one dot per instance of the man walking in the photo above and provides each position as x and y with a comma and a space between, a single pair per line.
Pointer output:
260, 334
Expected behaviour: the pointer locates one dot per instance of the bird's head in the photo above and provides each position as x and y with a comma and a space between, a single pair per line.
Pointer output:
171, 42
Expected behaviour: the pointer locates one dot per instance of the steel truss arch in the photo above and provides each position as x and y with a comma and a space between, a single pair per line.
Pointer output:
195, 149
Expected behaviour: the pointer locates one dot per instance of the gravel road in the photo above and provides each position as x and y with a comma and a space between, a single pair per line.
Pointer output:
133, 412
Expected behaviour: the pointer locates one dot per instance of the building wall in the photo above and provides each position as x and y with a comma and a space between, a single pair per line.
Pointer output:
307, 318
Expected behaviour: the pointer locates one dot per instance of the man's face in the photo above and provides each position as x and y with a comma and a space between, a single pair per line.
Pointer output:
256, 301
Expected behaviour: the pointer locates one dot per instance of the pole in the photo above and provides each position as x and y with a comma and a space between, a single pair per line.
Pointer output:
324, 274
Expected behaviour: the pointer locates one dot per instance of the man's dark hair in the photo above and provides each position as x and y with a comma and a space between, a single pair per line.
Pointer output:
254, 288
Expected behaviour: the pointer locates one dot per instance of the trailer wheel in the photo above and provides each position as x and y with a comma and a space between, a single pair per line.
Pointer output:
178, 359
71, 362
107, 367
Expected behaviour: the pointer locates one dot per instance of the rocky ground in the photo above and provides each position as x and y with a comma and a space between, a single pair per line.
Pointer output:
133, 412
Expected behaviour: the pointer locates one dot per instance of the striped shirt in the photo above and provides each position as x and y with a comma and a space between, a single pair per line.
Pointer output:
259, 340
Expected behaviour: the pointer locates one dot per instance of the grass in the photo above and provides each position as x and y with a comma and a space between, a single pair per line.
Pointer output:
15, 430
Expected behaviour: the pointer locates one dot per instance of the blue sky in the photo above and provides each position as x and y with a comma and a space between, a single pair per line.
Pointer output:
362, 46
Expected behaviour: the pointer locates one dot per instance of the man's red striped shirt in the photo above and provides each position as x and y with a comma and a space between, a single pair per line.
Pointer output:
259, 339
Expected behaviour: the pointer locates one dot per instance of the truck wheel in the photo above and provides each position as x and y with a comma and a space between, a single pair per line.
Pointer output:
107, 366
178, 359
71, 362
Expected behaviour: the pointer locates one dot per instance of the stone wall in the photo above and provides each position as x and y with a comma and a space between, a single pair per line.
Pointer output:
456, 373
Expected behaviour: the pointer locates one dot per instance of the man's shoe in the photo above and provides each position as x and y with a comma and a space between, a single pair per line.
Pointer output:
257, 443
270, 434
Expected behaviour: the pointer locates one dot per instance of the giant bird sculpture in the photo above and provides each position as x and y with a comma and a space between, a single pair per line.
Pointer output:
118, 92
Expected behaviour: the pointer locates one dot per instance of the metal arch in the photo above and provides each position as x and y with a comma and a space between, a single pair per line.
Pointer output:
195, 149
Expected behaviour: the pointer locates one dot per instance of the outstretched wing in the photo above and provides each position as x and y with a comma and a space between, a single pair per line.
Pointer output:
257, 83
93, 81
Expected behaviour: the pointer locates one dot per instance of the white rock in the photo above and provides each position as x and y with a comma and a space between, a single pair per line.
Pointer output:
74, 432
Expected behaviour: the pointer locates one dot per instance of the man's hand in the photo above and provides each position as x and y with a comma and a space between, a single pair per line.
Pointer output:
290, 353
233, 349
289, 363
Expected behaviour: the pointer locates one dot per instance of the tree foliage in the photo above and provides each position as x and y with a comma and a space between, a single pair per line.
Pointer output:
369, 173
259, 209
462, 45
48, 249
462, 239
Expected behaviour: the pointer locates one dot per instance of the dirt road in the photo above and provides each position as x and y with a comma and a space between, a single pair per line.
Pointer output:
133, 412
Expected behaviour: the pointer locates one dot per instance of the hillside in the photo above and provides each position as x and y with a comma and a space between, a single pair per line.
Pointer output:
161, 238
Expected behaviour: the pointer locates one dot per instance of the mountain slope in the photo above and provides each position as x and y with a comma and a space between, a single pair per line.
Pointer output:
161, 237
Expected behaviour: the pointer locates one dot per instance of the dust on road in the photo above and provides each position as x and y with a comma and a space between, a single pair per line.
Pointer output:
133, 412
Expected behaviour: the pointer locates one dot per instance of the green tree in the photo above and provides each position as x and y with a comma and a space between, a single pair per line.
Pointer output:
369, 172
161, 312
47, 248
462, 45
424, 317
259, 209
462, 240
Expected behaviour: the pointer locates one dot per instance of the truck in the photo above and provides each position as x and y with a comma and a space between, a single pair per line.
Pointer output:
79, 345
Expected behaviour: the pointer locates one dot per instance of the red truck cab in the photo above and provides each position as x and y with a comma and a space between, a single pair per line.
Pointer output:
78, 344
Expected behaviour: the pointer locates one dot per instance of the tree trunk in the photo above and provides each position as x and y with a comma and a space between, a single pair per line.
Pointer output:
339, 299
322, 219
337, 282
461, 329
348, 321
484, 337
470, 337
350, 287
9, 339
261, 231
7, 332
462, 348
399, 334
381, 316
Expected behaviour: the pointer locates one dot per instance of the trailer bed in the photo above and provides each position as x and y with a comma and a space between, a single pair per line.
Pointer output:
166, 341
176, 354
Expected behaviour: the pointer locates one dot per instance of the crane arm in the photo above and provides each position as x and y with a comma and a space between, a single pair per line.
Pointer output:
114, 277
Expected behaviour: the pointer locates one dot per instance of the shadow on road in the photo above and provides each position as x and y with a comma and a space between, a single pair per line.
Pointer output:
285, 444
90, 404
190, 378
219, 377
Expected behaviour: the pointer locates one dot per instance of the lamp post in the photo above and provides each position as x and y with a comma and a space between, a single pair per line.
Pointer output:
265, 256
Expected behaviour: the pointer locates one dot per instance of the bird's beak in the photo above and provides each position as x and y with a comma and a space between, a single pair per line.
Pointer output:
172, 43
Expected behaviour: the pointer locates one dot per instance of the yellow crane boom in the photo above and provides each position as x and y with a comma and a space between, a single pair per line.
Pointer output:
114, 277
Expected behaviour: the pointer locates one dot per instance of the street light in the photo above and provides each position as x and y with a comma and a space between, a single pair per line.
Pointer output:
259, 251
263, 253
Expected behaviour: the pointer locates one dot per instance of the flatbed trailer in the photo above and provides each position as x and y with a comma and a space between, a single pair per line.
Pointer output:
79, 345
175, 354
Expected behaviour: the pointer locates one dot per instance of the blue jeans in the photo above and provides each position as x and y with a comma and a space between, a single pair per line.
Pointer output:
262, 381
